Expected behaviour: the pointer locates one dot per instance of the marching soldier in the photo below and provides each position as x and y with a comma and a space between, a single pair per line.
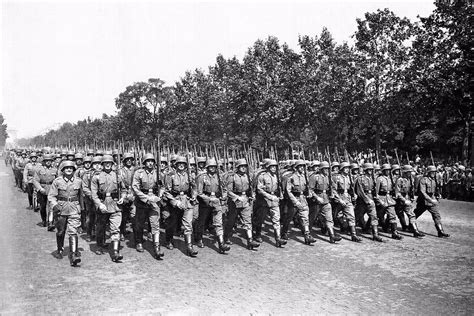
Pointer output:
64, 198
296, 189
128, 207
105, 190
20, 164
181, 198
148, 193
269, 190
364, 190
319, 189
240, 203
404, 195
42, 180
89, 207
344, 196
384, 189
210, 195
428, 200
28, 174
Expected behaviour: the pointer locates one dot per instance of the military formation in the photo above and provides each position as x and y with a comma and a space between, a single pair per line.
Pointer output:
161, 195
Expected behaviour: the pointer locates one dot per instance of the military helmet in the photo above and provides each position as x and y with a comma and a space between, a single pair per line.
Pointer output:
70, 153
271, 162
368, 166
115, 152
334, 164
173, 157
23, 153
395, 167
181, 159
240, 162
107, 158
324, 165
57, 156
407, 168
33, 154
192, 161
462, 168
355, 165
148, 156
345, 164
300, 162
386, 166
96, 159
99, 153
64, 153
47, 157
201, 159
211, 162
376, 166
90, 152
78, 156
87, 159
127, 156
315, 163
431, 169
230, 160
67, 164
164, 160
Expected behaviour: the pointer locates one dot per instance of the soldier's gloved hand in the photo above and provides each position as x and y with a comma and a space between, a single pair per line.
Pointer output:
179, 205
299, 205
434, 201
371, 203
119, 202
42, 191
407, 202
56, 209
102, 208
320, 200
154, 199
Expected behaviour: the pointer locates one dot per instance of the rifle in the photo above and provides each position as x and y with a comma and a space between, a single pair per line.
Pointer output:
436, 175
280, 189
116, 174
396, 154
329, 173
306, 176
218, 172
390, 172
188, 169
158, 167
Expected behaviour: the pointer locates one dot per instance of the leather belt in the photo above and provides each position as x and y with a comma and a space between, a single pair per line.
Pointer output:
240, 193
319, 191
176, 193
47, 183
296, 193
383, 193
147, 191
209, 193
68, 199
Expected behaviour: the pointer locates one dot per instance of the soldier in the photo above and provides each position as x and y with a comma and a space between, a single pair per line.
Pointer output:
319, 201
83, 165
364, 190
128, 207
296, 189
428, 200
287, 211
148, 192
240, 203
384, 193
211, 195
20, 167
344, 195
89, 207
28, 174
181, 197
105, 190
42, 180
64, 199
270, 191
404, 195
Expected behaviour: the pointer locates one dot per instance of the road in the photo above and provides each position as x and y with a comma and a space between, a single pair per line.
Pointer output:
413, 276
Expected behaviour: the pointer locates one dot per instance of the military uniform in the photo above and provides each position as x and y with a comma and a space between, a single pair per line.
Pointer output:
64, 198
211, 195
20, 164
384, 198
89, 207
42, 180
128, 207
28, 174
428, 200
148, 194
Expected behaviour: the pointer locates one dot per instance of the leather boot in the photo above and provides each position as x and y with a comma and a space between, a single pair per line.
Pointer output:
73, 258
258, 234
279, 242
189, 246
308, 239
332, 236
375, 234
395, 234
60, 245
367, 227
139, 247
416, 232
116, 256
222, 246
441, 233
156, 246
403, 222
250, 243
198, 240
354, 236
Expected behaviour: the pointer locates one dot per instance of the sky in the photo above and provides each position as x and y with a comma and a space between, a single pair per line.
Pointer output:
64, 61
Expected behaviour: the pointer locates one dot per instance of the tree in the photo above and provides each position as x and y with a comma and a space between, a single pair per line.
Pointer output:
3, 131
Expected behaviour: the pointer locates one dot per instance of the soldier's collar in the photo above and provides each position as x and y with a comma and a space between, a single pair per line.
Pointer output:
68, 180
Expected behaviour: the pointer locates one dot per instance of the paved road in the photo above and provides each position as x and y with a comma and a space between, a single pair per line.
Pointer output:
428, 276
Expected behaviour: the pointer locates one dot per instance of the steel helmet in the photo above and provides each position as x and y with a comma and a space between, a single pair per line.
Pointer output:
376, 166
127, 156
395, 167
67, 164
368, 166
240, 162
33, 154
345, 164
386, 166
211, 163
355, 165
96, 159
324, 165
334, 164
87, 159
47, 157
181, 159
407, 168
300, 162
431, 169
107, 158
78, 156
201, 159
271, 162
148, 156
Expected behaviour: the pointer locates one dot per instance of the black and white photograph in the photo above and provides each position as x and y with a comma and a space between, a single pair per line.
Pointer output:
237, 157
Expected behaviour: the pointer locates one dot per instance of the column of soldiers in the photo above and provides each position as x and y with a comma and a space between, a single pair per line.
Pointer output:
99, 193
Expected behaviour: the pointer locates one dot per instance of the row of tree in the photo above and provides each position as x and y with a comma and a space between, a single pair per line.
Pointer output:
403, 84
